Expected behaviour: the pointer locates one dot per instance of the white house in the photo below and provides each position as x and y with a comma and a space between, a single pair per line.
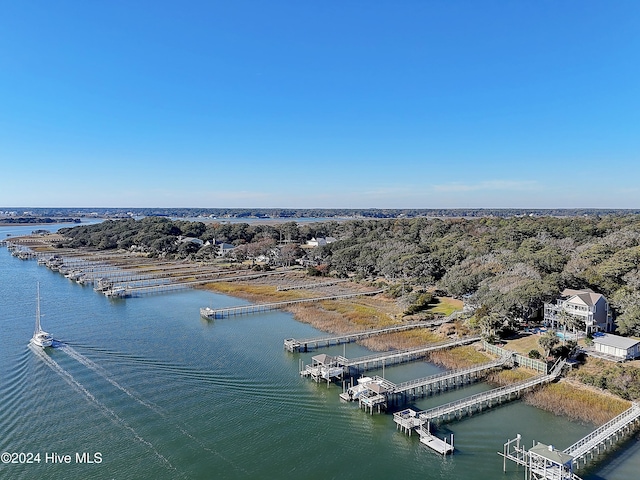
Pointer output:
590, 307
617, 346
320, 241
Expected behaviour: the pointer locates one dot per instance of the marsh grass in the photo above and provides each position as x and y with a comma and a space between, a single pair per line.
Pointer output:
401, 340
459, 357
509, 376
255, 293
359, 314
446, 306
577, 402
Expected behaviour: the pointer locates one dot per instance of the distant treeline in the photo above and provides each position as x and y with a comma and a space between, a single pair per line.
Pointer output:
37, 220
294, 213
511, 266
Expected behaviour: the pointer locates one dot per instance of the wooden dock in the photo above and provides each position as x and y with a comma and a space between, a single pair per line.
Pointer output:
211, 313
543, 462
605, 436
402, 392
328, 367
398, 356
305, 344
474, 403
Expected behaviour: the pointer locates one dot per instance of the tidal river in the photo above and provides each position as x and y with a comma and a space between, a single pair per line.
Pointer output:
144, 388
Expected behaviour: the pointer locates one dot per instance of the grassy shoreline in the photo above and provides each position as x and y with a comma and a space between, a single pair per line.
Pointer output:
569, 397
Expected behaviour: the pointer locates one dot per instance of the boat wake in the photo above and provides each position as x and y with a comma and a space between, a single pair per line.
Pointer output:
67, 377
90, 364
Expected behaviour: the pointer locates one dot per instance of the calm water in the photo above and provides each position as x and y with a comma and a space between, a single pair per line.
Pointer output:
153, 391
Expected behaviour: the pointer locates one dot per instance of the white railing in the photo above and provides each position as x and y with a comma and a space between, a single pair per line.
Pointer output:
537, 365
483, 397
585, 444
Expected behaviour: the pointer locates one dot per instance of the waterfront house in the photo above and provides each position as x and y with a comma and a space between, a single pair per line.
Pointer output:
590, 308
621, 347
320, 241
224, 248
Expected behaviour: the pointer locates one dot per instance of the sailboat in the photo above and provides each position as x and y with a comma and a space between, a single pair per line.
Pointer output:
40, 337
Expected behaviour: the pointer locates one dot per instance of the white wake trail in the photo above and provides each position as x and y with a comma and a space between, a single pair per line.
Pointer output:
55, 366
73, 353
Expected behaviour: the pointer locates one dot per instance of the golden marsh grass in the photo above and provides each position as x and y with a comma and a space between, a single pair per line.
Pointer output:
577, 402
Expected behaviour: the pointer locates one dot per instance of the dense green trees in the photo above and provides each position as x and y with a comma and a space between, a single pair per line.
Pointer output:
509, 265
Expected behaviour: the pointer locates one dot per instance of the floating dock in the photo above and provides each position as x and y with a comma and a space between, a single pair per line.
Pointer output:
434, 443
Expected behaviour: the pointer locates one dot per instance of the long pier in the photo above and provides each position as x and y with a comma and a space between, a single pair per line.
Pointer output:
399, 356
604, 436
328, 367
211, 313
409, 419
305, 344
374, 396
544, 462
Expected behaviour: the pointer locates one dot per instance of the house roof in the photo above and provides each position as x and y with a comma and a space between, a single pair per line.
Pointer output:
550, 453
617, 341
586, 296
376, 387
323, 359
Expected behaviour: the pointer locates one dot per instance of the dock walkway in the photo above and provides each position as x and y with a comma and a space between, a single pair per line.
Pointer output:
380, 397
304, 344
398, 356
441, 381
604, 436
409, 419
211, 313
328, 367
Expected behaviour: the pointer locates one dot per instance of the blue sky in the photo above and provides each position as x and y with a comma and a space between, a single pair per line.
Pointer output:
309, 104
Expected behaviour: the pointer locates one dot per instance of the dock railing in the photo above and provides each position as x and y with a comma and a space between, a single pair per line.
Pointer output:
537, 365
496, 393
614, 425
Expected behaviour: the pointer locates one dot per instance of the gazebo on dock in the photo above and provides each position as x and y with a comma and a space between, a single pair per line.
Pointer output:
545, 462
325, 366
541, 462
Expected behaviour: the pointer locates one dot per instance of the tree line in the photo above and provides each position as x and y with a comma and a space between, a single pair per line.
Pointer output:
509, 266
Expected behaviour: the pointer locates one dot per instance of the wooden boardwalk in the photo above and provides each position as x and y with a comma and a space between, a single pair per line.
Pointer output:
399, 356
443, 381
605, 436
328, 367
433, 384
544, 462
211, 313
409, 419
305, 344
